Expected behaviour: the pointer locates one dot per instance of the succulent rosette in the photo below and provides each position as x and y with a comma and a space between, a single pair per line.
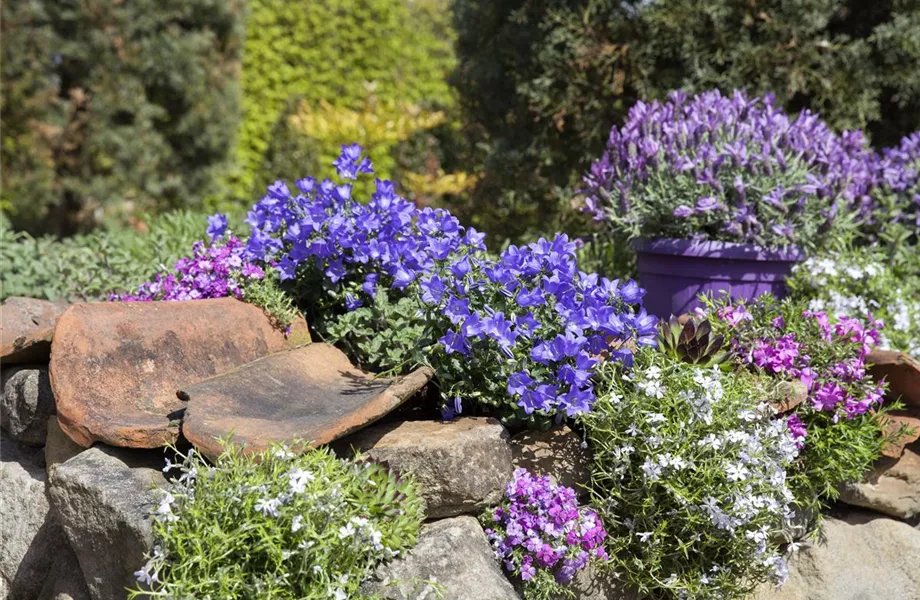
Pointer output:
728, 168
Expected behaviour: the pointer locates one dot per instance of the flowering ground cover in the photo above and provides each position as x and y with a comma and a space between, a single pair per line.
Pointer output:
277, 525
542, 536
690, 478
840, 425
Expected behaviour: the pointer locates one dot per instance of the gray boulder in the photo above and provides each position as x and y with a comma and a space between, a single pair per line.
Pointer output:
26, 403
462, 466
29, 532
452, 561
892, 488
862, 557
59, 448
103, 498
65, 582
594, 582
557, 452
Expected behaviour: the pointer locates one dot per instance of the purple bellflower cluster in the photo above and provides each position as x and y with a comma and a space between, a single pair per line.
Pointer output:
214, 270
539, 528
353, 247
532, 319
529, 326
713, 167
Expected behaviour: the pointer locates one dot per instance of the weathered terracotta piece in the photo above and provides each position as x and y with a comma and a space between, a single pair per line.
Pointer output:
26, 328
901, 371
313, 394
116, 367
789, 394
894, 422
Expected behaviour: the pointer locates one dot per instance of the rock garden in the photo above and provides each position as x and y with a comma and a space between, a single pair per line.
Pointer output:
360, 399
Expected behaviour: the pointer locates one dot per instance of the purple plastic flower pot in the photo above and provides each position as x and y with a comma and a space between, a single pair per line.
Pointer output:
673, 272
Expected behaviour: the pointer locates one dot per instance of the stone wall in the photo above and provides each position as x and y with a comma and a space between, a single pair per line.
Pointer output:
77, 486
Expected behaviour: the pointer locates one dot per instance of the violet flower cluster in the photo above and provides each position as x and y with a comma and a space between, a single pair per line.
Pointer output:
540, 528
727, 168
214, 270
532, 319
828, 356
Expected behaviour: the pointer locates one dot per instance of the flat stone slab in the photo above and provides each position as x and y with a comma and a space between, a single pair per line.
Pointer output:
900, 371
116, 367
891, 488
461, 466
312, 394
26, 329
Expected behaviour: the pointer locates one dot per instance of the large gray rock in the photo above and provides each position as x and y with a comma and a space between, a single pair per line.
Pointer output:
29, 533
59, 448
863, 557
892, 488
26, 403
595, 582
103, 498
557, 452
65, 582
453, 558
461, 466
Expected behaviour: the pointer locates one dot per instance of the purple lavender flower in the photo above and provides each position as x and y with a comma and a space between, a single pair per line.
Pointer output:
761, 176
217, 225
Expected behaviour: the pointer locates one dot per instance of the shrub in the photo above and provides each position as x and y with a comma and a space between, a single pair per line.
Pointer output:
388, 52
689, 477
546, 80
94, 266
542, 536
840, 425
858, 282
712, 167
277, 525
111, 108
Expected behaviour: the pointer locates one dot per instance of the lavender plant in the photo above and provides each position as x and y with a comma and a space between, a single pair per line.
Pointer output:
542, 537
689, 478
711, 167
896, 193
276, 525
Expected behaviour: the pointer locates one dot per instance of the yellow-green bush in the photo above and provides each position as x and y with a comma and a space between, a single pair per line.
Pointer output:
318, 59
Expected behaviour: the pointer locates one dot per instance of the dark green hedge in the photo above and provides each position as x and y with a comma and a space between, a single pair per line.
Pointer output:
112, 107
546, 79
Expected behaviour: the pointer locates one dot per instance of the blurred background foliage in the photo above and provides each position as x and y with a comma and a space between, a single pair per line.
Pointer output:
114, 112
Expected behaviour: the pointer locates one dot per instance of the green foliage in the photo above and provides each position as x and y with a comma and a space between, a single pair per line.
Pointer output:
862, 281
93, 266
111, 108
545, 80
689, 477
388, 335
342, 52
278, 525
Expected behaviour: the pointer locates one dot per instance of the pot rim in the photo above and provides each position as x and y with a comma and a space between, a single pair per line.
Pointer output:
716, 249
